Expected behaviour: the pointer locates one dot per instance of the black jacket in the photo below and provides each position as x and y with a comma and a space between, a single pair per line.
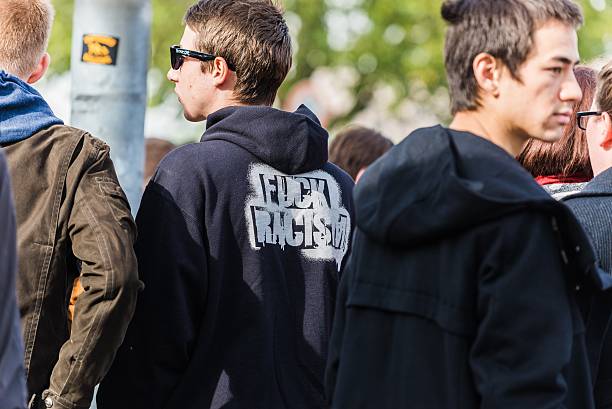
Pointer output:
241, 240
460, 291
12, 371
593, 208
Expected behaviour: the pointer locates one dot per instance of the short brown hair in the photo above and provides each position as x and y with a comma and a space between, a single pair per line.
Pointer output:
501, 28
155, 150
356, 147
250, 34
603, 96
569, 156
25, 26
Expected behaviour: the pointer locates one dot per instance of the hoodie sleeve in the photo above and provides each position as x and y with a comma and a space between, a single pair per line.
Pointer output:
12, 372
159, 343
525, 311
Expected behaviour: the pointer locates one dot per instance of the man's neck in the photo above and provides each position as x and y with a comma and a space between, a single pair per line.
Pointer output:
223, 103
601, 162
486, 126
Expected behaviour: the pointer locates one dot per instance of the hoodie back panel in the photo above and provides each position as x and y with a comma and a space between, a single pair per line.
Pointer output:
242, 240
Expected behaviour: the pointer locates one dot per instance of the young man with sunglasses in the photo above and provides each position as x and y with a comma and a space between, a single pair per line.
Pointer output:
242, 236
463, 284
73, 220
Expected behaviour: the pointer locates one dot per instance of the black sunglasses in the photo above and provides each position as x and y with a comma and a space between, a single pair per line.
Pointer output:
583, 117
178, 54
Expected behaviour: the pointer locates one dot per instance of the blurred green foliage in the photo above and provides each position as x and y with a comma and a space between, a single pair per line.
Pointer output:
397, 42
167, 30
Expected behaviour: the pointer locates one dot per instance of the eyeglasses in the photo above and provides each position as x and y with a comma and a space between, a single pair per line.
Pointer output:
583, 117
178, 54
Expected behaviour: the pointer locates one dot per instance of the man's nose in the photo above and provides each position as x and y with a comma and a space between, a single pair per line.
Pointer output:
571, 91
172, 75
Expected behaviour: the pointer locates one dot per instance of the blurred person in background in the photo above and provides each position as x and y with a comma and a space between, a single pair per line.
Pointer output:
155, 150
461, 287
242, 236
593, 207
356, 147
73, 220
12, 372
563, 167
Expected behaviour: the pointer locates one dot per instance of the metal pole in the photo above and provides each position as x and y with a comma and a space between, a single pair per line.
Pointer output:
110, 57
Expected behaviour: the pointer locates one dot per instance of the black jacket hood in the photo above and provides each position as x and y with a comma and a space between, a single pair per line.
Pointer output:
439, 181
292, 142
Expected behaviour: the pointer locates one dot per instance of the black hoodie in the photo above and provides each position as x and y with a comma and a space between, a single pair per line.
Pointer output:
461, 285
241, 241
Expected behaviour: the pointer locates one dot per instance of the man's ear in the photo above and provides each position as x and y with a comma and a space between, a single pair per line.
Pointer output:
607, 141
487, 70
41, 69
222, 74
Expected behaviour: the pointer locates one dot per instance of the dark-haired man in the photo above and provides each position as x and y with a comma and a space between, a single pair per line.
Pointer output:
356, 147
241, 236
461, 289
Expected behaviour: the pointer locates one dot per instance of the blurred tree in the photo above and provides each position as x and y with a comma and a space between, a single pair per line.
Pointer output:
594, 37
399, 46
397, 43
59, 45
167, 30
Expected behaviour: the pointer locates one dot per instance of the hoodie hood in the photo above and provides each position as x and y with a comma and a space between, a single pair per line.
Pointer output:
438, 182
23, 111
292, 142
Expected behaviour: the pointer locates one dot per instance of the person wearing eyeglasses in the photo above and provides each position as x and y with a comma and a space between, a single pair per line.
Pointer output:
242, 236
73, 220
593, 208
12, 371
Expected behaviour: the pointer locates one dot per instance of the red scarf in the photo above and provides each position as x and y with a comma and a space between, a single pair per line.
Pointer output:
549, 180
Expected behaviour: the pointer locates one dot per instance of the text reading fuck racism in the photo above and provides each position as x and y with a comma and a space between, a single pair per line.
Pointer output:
298, 211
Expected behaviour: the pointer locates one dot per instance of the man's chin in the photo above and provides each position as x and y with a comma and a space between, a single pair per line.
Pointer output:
192, 118
552, 134
546, 134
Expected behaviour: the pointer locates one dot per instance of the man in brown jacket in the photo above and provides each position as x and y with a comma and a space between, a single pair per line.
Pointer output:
73, 220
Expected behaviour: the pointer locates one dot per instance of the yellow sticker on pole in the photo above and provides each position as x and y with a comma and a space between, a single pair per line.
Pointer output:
100, 49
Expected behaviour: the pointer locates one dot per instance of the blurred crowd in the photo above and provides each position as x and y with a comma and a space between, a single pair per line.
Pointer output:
273, 266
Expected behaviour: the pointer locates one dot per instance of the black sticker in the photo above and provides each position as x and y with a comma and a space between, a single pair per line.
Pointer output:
100, 49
